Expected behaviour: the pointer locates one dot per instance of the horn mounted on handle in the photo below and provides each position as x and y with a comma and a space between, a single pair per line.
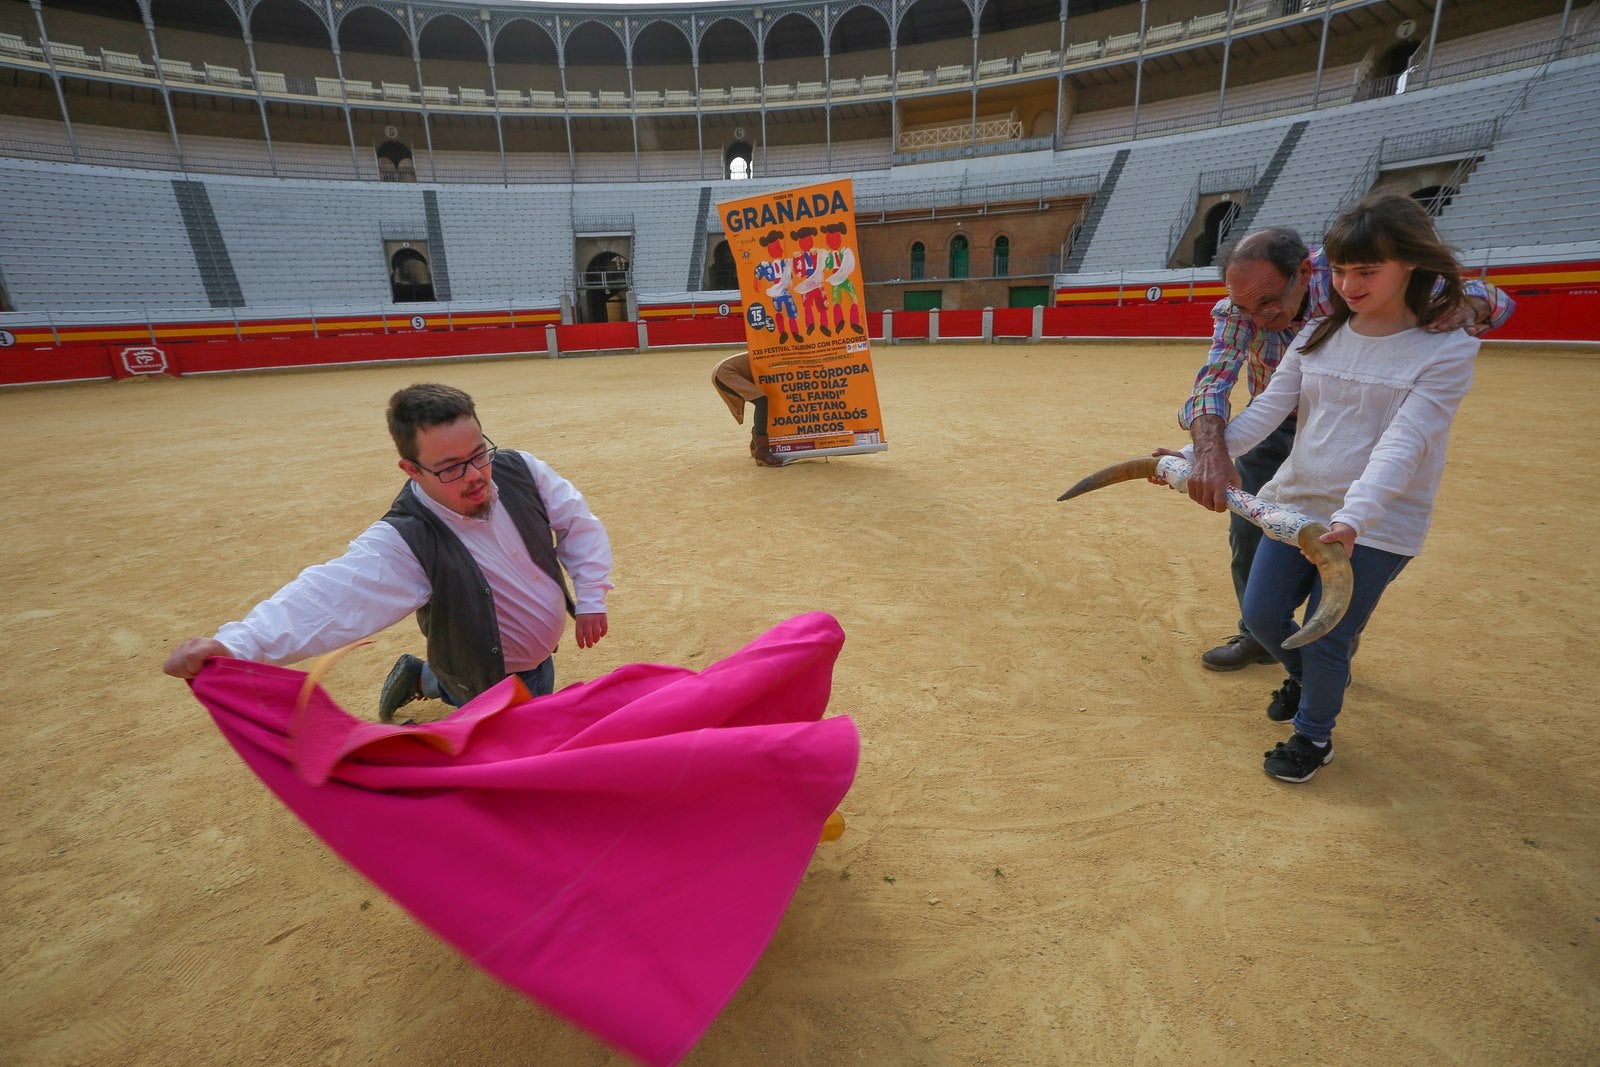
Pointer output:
1277, 522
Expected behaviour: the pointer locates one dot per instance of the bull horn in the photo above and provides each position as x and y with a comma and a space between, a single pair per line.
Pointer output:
1277, 522
1334, 567
1127, 471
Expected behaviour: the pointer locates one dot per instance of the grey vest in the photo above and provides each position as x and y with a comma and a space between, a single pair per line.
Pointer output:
459, 618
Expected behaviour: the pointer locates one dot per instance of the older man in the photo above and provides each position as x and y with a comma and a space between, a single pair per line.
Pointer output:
1275, 286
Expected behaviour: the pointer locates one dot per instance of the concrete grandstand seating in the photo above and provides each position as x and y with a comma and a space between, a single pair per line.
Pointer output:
1538, 184
508, 245
1338, 146
1533, 188
82, 238
1154, 188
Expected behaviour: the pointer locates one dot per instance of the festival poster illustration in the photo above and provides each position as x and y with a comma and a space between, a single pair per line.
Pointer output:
800, 280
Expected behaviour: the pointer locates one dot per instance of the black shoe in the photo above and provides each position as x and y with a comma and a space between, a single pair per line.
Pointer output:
403, 685
1297, 759
1241, 651
1285, 701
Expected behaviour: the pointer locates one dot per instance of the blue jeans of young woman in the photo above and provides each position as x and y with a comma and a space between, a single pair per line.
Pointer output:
540, 680
1280, 579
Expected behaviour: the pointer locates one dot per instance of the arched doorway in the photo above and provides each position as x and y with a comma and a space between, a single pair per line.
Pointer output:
410, 279
723, 273
1219, 220
1389, 72
737, 161
605, 288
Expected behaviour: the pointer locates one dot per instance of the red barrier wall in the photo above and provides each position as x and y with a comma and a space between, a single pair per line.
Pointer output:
1013, 322
597, 337
961, 322
910, 324
1555, 302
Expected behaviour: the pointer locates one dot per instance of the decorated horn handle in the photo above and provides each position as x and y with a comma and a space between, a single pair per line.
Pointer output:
1277, 522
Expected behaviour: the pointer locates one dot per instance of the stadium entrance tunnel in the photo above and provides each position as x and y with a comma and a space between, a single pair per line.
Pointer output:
603, 287
410, 279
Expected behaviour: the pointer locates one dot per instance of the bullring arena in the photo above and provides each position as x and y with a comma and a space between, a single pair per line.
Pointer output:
1060, 844
230, 229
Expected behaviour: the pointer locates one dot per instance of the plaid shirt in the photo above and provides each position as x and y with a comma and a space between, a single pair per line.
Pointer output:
1237, 344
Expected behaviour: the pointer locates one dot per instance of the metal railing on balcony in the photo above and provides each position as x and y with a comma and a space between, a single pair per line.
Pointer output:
960, 134
1448, 141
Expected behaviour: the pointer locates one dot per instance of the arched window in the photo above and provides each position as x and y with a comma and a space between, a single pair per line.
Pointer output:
394, 162
736, 161
958, 256
1002, 256
919, 261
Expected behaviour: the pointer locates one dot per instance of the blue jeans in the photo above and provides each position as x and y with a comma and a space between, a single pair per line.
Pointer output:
1256, 468
1279, 581
540, 680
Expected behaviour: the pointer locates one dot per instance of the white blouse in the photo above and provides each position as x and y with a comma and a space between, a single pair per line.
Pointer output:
1375, 416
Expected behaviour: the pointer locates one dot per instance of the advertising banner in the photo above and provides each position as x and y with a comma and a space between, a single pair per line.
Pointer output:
805, 322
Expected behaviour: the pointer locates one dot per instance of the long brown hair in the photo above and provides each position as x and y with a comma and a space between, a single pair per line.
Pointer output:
1391, 226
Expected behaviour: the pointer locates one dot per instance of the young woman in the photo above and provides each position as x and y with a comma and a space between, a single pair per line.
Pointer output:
1376, 394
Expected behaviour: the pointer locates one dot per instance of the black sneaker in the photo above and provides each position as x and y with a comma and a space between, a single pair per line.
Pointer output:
1285, 701
1240, 651
1297, 759
403, 685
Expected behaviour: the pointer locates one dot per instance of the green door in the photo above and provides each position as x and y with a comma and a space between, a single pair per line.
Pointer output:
923, 299
1027, 296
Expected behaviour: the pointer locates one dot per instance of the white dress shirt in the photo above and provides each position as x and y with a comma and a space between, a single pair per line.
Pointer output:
1375, 416
378, 582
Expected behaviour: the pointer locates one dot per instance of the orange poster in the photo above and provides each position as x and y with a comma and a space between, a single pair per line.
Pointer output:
800, 279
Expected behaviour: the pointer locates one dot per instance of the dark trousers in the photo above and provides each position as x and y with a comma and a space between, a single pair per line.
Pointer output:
1256, 468
540, 680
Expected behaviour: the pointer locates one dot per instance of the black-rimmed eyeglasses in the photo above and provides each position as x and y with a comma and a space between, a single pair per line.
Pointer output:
457, 471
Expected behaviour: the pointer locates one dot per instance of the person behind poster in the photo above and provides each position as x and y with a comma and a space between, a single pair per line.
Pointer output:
818, 380
735, 384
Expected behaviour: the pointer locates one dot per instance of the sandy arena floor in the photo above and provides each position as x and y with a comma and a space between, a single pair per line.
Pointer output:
1061, 846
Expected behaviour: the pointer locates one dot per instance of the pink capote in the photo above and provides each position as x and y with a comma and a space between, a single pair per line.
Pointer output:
621, 851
